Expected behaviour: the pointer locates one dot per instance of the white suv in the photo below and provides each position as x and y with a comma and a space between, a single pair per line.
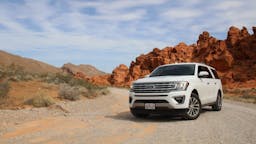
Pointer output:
181, 88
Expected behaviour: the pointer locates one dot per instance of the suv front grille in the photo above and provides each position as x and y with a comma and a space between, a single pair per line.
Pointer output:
159, 87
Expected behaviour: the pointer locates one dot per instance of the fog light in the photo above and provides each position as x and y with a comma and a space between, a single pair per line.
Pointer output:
180, 99
130, 100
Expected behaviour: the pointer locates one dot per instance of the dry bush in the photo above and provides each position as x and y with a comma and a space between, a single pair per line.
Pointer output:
40, 100
15, 73
4, 89
103, 91
68, 92
91, 93
244, 95
71, 88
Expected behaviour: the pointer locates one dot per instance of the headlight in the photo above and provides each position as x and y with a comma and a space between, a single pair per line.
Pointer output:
131, 88
182, 85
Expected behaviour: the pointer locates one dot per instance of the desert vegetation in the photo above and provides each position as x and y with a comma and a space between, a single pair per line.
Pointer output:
241, 94
68, 92
15, 73
40, 100
46, 86
4, 89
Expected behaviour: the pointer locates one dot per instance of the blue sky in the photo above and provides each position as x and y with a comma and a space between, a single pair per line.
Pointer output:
107, 33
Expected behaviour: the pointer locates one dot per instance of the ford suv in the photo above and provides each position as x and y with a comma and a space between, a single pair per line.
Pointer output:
179, 89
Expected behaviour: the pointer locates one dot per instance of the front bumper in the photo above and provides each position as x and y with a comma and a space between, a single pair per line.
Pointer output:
160, 111
161, 100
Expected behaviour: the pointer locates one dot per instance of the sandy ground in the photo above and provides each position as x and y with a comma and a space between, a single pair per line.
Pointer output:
107, 120
22, 91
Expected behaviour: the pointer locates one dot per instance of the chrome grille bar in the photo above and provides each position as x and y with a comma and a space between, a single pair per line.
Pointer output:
161, 87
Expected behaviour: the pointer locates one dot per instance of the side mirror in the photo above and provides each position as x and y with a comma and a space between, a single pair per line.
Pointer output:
203, 74
146, 76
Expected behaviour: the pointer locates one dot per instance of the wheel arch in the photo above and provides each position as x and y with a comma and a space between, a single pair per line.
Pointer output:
195, 92
221, 94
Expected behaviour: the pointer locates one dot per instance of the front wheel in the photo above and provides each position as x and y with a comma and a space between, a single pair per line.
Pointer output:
218, 104
194, 108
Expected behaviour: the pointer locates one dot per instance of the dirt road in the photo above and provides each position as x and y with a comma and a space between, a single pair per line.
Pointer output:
107, 120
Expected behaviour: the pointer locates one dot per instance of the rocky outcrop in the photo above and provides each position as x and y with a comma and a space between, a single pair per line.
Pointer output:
87, 70
214, 52
118, 75
103, 80
233, 58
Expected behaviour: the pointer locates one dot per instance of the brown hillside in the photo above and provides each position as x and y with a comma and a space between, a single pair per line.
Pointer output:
87, 70
29, 65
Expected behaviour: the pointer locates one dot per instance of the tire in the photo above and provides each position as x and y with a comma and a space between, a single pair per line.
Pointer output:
194, 109
138, 115
218, 104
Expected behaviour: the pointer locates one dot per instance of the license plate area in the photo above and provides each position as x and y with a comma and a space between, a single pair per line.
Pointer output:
150, 106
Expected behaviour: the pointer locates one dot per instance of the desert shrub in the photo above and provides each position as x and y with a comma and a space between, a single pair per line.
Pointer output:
69, 92
56, 78
40, 100
67, 79
15, 73
4, 89
71, 88
103, 91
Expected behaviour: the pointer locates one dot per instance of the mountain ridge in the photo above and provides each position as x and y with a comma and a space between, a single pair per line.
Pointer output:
39, 67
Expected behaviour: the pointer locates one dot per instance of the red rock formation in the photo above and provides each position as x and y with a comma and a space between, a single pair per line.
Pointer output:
144, 64
234, 58
118, 75
102, 80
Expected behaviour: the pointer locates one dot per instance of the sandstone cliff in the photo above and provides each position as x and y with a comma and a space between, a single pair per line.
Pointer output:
234, 58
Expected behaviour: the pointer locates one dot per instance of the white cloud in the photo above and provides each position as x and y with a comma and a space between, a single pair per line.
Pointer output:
181, 13
73, 41
127, 16
227, 5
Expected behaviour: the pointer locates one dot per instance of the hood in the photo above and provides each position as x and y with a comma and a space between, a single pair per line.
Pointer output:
163, 79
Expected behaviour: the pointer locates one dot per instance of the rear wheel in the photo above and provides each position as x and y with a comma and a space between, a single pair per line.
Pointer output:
138, 115
194, 109
218, 104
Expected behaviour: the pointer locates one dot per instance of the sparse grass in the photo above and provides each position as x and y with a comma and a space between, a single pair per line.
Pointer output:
244, 95
15, 73
104, 91
68, 92
71, 88
67, 79
247, 99
4, 89
40, 100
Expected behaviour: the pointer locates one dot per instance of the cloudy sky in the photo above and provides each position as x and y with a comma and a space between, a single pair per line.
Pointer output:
105, 33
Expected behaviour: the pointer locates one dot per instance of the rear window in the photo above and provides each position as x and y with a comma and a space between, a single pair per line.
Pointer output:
203, 68
215, 74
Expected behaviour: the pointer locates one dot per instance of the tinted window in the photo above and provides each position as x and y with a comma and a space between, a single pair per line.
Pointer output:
215, 74
174, 70
202, 68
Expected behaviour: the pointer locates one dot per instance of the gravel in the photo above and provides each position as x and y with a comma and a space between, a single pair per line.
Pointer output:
107, 119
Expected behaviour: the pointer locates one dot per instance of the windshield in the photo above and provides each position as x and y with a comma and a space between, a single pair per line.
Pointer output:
174, 70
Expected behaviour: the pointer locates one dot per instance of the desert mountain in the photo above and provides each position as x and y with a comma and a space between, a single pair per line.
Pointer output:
87, 70
29, 65
234, 58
